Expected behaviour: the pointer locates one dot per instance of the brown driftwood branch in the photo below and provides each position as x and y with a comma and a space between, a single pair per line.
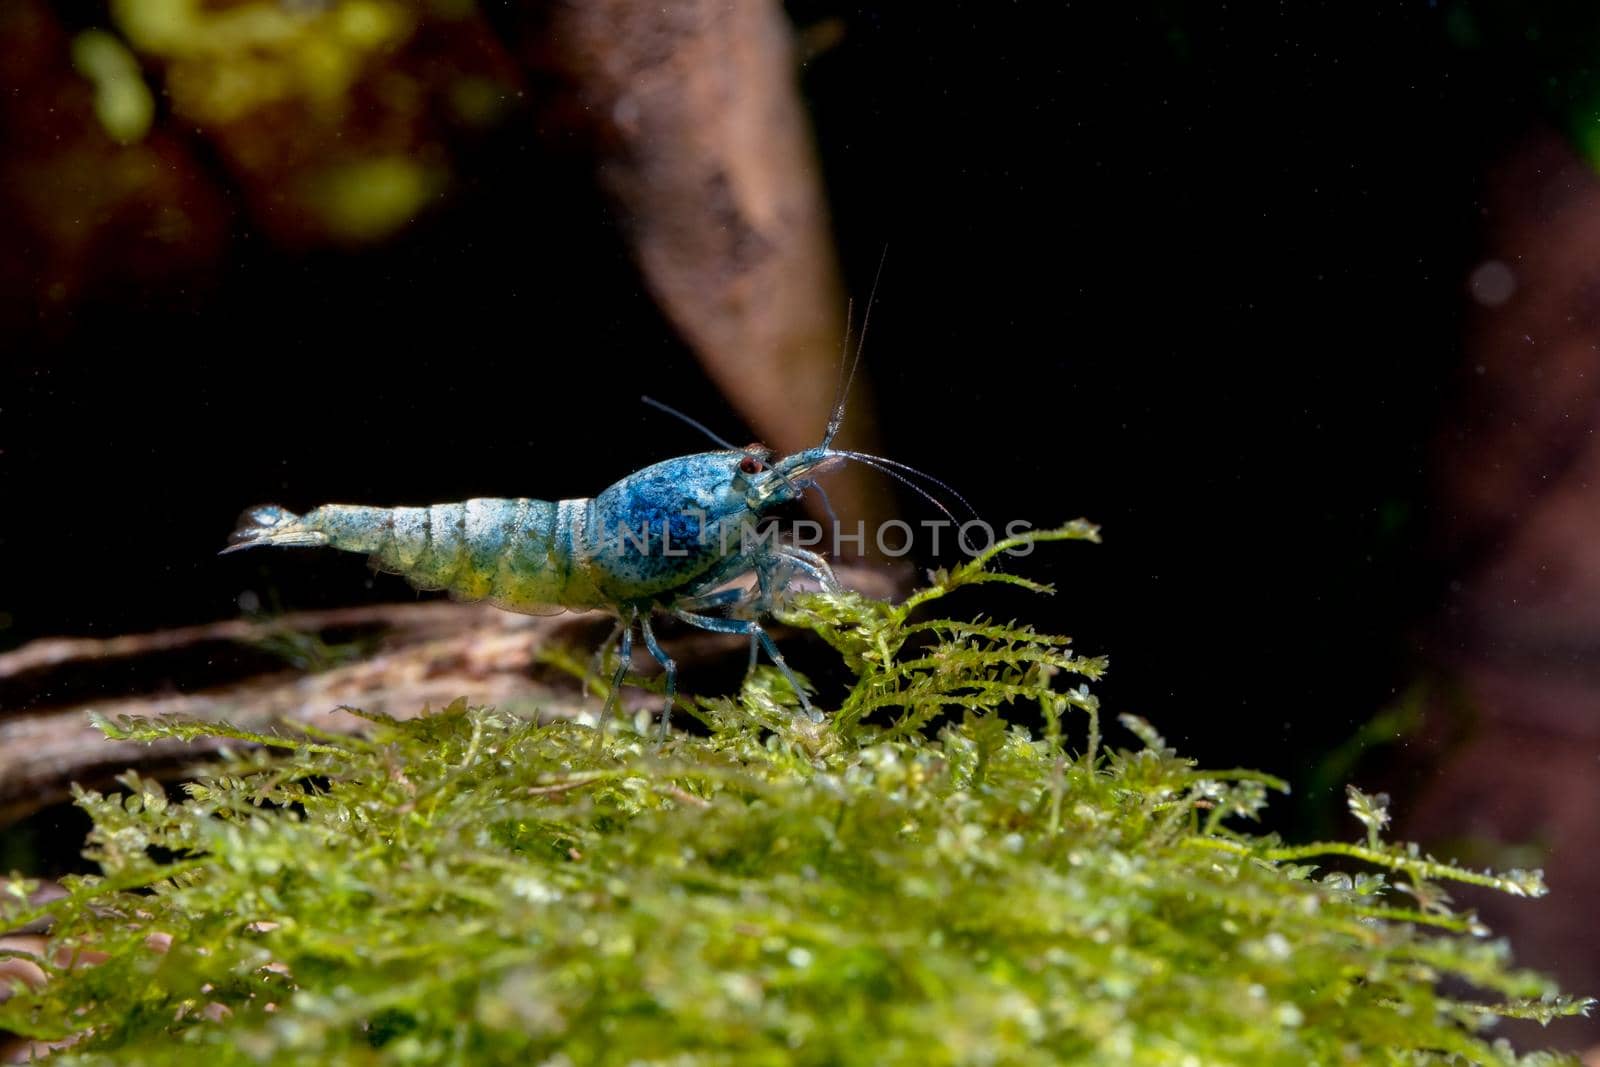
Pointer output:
407, 619
703, 144
426, 655
430, 654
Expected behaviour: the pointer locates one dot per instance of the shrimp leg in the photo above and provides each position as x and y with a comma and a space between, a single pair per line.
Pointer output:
670, 668
597, 664
758, 599
717, 599
733, 598
764, 565
626, 653
753, 628
813, 564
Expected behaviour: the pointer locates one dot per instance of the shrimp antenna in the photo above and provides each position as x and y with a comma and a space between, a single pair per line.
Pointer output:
844, 357
827, 505
868, 461
696, 423
909, 469
836, 419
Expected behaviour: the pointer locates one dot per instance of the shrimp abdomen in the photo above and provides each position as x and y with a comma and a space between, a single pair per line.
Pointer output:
511, 552
481, 549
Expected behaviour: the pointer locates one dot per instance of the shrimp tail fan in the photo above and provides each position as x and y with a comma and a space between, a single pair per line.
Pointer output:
269, 524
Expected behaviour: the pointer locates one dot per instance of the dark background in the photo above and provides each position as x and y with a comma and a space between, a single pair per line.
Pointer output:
1195, 276
1198, 275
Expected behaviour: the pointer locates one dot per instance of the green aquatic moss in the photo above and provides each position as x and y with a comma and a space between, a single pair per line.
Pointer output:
920, 879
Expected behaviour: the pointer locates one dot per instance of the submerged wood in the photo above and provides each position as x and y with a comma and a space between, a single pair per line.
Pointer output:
423, 655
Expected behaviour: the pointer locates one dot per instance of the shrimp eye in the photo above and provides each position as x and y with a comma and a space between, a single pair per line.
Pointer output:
751, 465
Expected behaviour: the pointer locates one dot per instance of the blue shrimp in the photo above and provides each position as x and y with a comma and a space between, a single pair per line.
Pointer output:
669, 538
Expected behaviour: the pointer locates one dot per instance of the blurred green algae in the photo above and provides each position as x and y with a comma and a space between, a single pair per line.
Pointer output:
122, 100
336, 119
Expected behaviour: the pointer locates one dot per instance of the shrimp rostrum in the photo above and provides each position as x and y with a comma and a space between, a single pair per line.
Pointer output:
673, 538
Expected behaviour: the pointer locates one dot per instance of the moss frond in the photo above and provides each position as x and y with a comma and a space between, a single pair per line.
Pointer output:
954, 868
